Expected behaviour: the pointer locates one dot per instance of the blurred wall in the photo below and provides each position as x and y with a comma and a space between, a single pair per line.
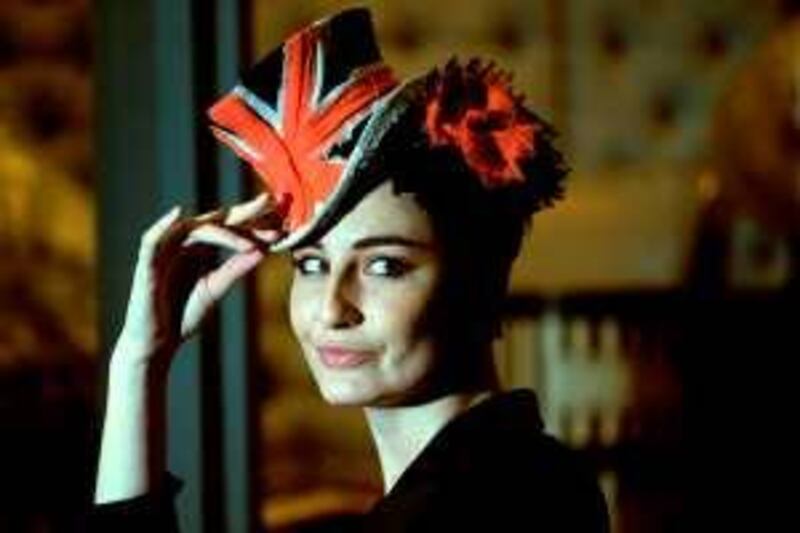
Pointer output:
48, 338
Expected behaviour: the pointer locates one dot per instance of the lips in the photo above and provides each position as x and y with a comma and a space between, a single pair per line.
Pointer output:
343, 357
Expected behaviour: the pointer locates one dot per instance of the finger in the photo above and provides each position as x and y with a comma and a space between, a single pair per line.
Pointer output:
150, 241
237, 213
153, 235
215, 216
219, 280
218, 236
213, 286
142, 279
268, 235
241, 213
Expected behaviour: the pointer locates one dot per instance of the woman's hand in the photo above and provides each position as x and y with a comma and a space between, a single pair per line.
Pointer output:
175, 283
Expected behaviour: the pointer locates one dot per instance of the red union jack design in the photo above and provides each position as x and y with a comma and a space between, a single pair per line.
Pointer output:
297, 115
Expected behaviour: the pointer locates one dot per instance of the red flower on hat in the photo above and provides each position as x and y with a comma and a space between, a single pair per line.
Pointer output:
472, 109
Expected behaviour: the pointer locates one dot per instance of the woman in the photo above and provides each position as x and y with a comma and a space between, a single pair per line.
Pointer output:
403, 206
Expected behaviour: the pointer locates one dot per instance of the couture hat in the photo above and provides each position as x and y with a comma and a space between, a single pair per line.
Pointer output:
312, 113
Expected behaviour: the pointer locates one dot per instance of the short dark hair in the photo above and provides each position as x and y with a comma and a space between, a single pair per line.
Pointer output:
480, 228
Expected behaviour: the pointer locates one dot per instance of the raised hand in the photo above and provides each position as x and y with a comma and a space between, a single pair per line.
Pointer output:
175, 282
175, 285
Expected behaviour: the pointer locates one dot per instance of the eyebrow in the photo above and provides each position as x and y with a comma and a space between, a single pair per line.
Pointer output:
381, 240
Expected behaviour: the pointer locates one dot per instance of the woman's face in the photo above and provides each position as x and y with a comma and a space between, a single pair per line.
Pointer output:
360, 299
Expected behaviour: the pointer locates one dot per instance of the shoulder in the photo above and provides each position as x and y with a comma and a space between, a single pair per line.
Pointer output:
495, 466
535, 480
545, 488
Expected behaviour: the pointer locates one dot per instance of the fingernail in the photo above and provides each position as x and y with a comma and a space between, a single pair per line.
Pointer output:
268, 197
170, 215
267, 234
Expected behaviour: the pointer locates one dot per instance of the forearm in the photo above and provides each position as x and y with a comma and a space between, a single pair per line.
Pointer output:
132, 453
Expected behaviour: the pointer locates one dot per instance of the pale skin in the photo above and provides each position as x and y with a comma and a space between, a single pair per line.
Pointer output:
364, 286
132, 447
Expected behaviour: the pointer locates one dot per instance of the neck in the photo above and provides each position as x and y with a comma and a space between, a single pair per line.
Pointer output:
401, 433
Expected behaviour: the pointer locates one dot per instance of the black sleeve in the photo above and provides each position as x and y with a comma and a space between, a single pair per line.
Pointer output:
153, 512
590, 512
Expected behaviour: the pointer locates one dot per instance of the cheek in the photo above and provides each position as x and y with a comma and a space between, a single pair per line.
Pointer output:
298, 309
402, 312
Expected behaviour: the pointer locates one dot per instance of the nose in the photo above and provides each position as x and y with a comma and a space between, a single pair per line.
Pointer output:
339, 306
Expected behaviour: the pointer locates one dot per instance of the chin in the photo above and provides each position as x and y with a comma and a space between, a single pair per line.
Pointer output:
346, 394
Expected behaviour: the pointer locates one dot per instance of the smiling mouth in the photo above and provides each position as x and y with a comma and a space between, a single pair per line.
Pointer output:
337, 357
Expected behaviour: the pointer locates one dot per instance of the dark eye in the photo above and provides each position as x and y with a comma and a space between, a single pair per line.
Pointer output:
390, 267
309, 265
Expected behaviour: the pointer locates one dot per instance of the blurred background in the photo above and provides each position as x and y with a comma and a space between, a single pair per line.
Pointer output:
653, 310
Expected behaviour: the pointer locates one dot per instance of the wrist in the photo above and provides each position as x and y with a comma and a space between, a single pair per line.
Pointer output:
131, 355
136, 378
